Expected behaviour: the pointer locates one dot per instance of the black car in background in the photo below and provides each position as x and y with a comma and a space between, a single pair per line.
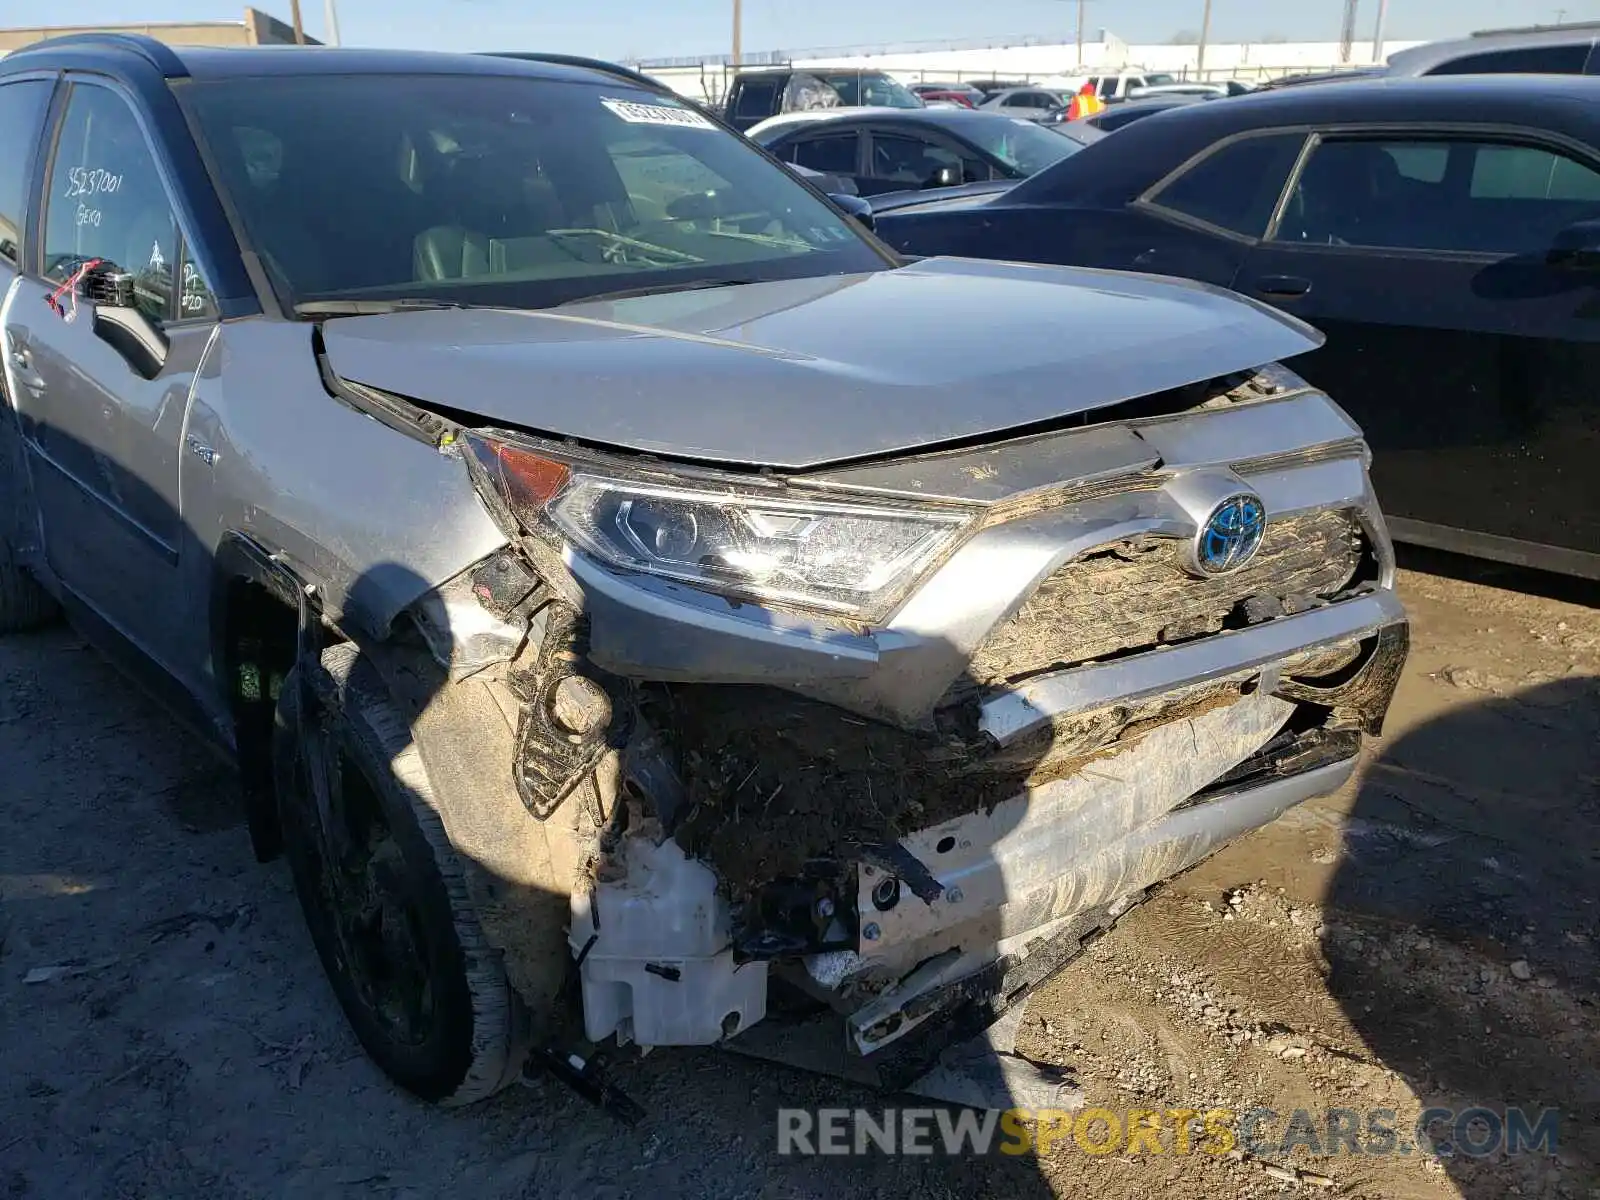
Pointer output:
889, 150
1443, 233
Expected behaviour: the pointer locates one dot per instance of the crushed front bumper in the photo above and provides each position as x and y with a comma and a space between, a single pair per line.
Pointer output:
1060, 716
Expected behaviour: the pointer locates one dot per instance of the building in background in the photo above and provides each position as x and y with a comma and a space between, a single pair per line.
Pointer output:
256, 29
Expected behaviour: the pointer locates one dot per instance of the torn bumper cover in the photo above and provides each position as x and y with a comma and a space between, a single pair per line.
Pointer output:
904, 811
891, 932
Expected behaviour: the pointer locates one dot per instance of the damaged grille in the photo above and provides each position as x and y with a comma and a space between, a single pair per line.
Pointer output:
1135, 595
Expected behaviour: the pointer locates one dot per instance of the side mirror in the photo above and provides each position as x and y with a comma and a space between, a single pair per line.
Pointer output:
854, 206
120, 324
945, 176
108, 285
1576, 248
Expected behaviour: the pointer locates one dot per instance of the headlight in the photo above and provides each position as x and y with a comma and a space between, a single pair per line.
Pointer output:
767, 544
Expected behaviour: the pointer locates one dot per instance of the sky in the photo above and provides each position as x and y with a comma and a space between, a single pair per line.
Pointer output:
634, 29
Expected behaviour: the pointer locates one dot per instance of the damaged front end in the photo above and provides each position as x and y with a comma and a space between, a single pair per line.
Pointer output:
898, 737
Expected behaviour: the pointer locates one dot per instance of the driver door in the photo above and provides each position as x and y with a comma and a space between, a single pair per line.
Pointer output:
103, 428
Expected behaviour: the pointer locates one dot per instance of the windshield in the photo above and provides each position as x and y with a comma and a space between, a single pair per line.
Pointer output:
1159, 80
870, 88
1025, 145
502, 190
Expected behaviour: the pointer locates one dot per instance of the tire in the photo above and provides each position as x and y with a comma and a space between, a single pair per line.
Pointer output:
23, 603
422, 989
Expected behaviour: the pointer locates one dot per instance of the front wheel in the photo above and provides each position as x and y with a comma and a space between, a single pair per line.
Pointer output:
384, 893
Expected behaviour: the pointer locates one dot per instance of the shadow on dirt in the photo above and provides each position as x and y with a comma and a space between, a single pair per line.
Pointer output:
1463, 927
1567, 588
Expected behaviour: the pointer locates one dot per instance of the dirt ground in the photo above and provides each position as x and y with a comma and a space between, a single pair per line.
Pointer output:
1427, 936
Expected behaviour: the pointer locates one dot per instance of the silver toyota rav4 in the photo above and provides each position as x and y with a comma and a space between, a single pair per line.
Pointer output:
629, 590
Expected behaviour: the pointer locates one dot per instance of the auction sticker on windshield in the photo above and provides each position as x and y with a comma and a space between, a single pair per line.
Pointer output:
657, 114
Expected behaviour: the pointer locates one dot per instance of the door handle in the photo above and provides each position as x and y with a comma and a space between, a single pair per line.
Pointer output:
21, 359
1283, 285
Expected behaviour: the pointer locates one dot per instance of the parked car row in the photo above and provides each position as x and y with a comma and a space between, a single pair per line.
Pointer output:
1443, 233
1451, 263
758, 95
895, 150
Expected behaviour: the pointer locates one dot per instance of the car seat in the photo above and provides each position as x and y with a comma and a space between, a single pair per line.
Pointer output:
487, 202
1349, 194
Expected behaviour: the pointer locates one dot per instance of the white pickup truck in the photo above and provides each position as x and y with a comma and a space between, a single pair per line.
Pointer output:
1135, 83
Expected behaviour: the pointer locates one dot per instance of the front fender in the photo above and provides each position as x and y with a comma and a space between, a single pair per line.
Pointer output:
367, 517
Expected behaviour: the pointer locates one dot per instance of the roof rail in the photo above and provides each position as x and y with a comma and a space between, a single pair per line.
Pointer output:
1574, 26
577, 60
158, 54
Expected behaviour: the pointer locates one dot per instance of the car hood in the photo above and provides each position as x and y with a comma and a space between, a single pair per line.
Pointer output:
796, 374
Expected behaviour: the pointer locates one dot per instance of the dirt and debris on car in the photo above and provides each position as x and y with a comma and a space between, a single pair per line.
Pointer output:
639, 603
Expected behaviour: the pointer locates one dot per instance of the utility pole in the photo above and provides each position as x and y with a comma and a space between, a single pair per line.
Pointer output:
1377, 32
330, 19
1082, 5
738, 31
1347, 35
299, 26
1205, 36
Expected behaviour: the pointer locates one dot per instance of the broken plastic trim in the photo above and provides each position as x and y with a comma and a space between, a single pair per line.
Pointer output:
1360, 693
482, 616
568, 717
588, 1078
393, 411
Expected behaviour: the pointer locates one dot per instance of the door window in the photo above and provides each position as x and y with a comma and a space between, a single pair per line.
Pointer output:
833, 154
106, 201
1237, 185
1441, 195
1525, 60
21, 116
909, 160
1529, 173
757, 98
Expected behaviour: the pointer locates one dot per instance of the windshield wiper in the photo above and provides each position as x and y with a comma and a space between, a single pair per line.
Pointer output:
655, 289
363, 308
